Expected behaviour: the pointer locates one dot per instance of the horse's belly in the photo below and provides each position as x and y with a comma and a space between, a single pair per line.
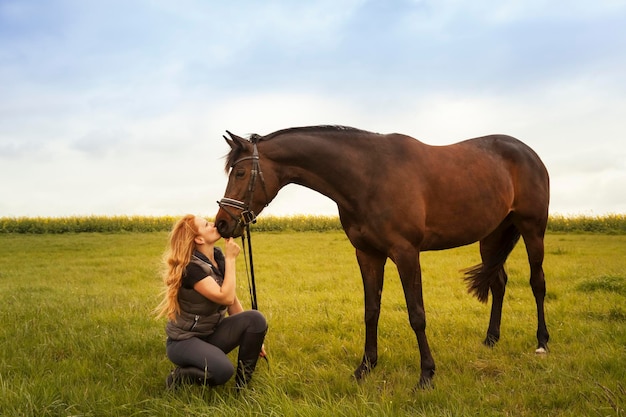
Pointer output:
459, 232
440, 243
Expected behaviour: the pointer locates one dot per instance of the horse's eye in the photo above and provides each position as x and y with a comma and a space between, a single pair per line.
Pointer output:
240, 173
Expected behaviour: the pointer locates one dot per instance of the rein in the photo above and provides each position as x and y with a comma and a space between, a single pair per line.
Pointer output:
250, 272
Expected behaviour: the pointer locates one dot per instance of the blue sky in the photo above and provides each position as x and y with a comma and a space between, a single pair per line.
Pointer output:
118, 107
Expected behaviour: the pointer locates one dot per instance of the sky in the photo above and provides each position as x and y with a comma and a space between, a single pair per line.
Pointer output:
118, 107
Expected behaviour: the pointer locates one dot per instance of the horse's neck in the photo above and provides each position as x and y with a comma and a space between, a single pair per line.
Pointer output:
321, 163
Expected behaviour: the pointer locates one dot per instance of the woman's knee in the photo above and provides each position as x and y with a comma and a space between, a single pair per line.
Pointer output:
257, 322
220, 372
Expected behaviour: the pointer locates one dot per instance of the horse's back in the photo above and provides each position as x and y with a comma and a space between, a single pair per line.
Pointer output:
493, 161
459, 193
501, 153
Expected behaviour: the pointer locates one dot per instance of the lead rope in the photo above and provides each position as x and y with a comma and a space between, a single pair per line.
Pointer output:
250, 273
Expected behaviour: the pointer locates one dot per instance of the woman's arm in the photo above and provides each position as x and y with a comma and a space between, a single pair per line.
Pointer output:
235, 307
226, 294
211, 290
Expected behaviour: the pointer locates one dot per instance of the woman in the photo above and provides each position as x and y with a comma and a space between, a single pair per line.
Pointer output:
200, 288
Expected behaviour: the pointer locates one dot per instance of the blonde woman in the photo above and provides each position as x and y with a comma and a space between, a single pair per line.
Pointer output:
200, 289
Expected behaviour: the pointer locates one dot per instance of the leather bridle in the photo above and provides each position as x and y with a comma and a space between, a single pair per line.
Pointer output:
246, 216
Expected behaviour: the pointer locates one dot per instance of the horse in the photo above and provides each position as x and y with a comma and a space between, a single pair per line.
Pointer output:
397, 197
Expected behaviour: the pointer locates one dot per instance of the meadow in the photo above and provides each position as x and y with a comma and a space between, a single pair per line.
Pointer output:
79, 337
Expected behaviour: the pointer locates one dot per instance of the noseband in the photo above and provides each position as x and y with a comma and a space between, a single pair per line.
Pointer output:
246, 216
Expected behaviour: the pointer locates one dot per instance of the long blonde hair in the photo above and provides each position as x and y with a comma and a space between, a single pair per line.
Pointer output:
175, 259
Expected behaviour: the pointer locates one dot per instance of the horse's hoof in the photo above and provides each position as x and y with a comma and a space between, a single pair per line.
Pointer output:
360, 373
426, 379
364, 369
426, 384
541, 350
491, 340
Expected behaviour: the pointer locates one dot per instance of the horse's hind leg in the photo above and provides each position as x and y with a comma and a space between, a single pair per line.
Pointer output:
533, 233
372, 271
497, 288
494, 249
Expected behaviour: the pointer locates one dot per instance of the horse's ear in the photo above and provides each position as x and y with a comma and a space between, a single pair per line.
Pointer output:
235, 141
230, 142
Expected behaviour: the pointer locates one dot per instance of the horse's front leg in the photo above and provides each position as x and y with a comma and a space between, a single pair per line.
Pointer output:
411, 276
372, 271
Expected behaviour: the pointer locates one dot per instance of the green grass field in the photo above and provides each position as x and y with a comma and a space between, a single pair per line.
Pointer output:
79, 339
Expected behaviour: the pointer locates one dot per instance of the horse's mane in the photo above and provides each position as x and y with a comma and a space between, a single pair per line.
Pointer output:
233, 155
307, 129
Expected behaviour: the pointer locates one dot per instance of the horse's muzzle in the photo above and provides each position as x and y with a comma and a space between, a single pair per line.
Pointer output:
228, 229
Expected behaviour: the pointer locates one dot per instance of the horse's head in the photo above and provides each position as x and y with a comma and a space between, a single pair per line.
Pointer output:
246, 191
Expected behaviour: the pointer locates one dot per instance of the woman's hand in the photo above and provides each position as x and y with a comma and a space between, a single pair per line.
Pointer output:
231, 248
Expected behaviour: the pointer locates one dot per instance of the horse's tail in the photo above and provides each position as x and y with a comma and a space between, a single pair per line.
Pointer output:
480, 277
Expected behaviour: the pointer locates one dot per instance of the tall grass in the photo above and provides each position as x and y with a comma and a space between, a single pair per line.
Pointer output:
85, 224
78, 336
607, 224
610, 224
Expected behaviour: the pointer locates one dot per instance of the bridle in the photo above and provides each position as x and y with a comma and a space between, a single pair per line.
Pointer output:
247, 216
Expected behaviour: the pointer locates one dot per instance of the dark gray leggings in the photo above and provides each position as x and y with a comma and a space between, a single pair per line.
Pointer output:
210, 354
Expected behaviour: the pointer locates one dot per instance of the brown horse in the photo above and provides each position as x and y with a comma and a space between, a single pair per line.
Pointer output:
397, 197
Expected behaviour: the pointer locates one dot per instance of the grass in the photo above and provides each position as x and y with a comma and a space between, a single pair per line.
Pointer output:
79, 338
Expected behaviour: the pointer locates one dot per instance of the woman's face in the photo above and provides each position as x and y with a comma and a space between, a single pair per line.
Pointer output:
207, 230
